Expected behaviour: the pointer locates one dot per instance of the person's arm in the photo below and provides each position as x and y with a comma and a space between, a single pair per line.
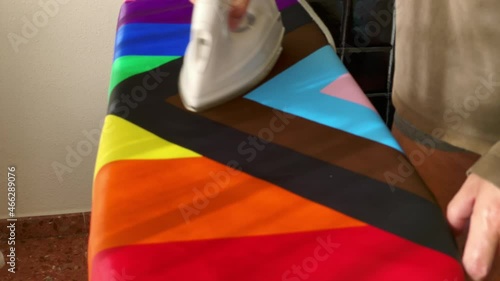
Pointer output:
238, 11
479, 201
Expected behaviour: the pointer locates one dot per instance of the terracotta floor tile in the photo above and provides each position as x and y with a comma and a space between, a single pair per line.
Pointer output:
49, 259
48, 226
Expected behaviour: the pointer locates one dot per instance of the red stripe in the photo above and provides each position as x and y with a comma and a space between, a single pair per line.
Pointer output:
362, 253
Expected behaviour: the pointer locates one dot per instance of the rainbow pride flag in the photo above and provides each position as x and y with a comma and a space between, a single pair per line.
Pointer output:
297, 180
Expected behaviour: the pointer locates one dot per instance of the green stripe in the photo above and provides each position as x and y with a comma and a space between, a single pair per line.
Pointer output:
128, 66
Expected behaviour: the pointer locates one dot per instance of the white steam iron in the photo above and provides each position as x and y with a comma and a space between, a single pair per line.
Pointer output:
221, 64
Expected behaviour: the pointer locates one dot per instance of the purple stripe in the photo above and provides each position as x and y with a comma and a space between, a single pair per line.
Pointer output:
283, 4
166, 11
155, 11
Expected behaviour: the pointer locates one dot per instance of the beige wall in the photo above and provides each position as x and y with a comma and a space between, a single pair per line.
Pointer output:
54, 74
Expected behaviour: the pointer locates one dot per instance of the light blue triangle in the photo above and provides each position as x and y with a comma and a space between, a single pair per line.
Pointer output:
297, 91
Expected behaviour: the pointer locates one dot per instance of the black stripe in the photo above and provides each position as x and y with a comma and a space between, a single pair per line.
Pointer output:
294, 17
168, 82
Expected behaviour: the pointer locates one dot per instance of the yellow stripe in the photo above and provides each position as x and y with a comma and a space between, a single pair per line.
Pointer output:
122, 140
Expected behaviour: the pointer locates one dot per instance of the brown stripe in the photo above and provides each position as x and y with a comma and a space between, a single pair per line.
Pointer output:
330, 145
297, 45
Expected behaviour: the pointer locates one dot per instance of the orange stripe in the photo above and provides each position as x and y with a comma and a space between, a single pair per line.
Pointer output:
138, 202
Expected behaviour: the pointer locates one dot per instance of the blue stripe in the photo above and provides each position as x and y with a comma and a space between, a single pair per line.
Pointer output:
141, 39
297, 91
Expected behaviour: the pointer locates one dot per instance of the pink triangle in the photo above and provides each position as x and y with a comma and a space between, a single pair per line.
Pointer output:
346, 88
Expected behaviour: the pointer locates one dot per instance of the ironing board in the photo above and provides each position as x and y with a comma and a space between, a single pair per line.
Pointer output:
297, 180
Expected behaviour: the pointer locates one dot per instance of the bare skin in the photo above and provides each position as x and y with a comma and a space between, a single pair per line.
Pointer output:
477, 203
237, 12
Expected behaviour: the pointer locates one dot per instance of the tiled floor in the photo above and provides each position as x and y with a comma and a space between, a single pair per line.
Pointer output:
48, 248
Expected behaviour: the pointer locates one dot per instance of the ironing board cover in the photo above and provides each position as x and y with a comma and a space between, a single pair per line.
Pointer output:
298, 180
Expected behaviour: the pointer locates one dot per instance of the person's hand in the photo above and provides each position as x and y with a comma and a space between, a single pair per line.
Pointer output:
238, 11
478, 201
